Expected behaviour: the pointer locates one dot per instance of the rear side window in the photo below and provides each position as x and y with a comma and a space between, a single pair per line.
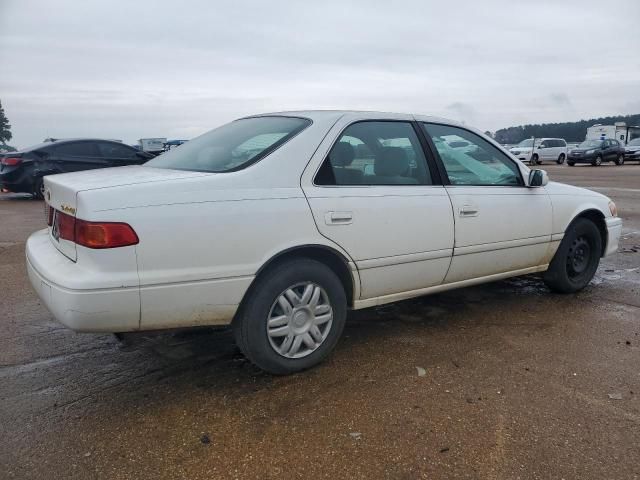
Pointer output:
114, 150
233, 146
77, 149
375, 153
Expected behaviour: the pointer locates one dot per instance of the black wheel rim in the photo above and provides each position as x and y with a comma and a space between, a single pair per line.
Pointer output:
578, 257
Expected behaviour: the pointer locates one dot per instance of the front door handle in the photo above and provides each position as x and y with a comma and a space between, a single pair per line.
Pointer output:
338, 218
468, 211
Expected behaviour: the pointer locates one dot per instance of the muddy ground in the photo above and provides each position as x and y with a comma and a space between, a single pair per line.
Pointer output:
519, 383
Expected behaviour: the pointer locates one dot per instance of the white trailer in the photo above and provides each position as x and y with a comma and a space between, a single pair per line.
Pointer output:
152, 145
619, 131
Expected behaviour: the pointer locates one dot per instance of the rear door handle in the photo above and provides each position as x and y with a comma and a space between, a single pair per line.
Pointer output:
338, 218
468, 211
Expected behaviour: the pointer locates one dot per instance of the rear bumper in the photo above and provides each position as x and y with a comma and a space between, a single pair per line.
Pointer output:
614, 231
90, 310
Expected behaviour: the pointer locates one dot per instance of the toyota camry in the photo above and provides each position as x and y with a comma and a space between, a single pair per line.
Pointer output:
279, 224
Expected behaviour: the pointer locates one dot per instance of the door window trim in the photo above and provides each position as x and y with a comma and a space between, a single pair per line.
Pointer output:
445, 177
430, 162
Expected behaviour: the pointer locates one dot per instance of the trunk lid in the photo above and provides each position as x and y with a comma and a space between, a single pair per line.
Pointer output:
61, 192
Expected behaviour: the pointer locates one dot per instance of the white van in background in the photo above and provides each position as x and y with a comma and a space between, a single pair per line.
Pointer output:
544, 149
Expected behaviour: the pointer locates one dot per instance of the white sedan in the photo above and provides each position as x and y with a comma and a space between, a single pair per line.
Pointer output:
278, 224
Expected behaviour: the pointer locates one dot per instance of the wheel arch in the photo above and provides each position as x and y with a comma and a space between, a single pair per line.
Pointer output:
325, 254
598, 218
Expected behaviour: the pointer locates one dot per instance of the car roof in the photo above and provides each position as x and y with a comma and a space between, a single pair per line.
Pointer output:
336, 114
62, 141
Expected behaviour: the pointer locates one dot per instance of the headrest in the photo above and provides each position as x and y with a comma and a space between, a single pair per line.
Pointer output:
391, 162
342, 154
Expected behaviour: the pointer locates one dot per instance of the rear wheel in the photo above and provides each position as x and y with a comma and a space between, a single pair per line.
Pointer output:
293, 318
620, 159
38, 189
535, 160
596, 162
561, 158
576, 261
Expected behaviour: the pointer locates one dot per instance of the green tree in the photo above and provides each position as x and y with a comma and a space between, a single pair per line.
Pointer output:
5, 126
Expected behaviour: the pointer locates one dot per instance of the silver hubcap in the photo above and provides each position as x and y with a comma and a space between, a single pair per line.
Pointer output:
299, 320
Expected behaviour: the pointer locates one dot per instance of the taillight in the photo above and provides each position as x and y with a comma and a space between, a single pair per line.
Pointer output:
49, 215
65, 226
93, 234
11, 161
104, 234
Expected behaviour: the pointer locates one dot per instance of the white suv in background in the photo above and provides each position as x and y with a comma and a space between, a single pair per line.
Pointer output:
544, 149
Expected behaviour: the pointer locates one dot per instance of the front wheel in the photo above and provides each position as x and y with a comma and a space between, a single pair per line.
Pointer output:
576, 261
620, 159
560, 160
293, 318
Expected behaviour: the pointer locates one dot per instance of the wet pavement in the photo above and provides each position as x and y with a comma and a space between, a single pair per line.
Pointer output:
513, 382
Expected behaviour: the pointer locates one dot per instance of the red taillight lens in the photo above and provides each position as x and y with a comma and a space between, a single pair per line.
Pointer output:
66, 226
104, 234
11, 161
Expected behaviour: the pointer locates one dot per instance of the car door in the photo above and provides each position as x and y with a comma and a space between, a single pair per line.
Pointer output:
78, 155
553, 150
500, 224
373, 192
118, 155
545, 150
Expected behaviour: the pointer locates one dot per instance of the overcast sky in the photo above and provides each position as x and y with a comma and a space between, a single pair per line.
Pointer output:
132, 69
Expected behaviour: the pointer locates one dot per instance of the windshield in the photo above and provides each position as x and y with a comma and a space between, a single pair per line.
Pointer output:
233, 146
635, 142
590, 144
526, 143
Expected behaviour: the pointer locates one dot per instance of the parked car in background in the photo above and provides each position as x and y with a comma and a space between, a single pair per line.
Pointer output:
279, 223
554, 149
22, 171
597, 151
632, 150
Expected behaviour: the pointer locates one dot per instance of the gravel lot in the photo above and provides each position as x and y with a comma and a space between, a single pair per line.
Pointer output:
518, 383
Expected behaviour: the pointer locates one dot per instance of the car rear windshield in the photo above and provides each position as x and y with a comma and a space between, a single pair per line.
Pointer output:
233, 146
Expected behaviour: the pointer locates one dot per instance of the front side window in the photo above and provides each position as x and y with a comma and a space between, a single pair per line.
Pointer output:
480, 163
233, 146
375, 153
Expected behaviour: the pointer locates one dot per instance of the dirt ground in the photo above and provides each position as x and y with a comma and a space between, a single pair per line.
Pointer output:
518, 383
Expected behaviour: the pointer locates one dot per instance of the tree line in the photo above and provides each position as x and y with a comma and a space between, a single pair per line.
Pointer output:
570, 131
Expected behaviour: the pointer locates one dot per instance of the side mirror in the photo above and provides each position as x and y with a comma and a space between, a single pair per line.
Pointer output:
538, 178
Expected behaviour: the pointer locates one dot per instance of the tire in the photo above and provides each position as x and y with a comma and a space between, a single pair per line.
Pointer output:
38, 189
571, 164
596, 162
535, 160
620, 159
264, 345
561, 158
577, 258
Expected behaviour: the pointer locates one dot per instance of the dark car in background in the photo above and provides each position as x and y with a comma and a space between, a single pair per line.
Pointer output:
22, 171
632, 150
597, 151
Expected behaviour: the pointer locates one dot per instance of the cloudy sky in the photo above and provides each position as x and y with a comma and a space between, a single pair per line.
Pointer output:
132, 69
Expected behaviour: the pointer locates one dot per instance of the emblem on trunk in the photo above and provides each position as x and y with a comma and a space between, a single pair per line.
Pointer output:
68, 209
